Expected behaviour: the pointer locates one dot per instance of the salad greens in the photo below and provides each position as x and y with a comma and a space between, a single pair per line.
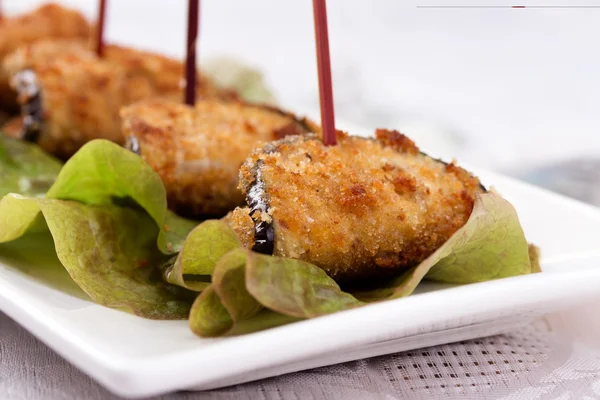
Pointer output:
111, 231
103, 173
111, 253
490, 245
204, 247
25, 168
107, 217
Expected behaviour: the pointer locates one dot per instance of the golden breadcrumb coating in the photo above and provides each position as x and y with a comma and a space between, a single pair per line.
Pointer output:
81, 95
243, 223
198, 150
362, 208
50, 21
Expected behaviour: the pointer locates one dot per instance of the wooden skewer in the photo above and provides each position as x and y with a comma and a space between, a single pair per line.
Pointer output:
190, 62
324, 67
100, 34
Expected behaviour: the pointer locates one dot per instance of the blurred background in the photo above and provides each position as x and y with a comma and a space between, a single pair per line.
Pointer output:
513, 90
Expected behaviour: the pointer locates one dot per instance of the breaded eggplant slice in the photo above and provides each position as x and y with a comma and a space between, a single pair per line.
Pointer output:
364, 208
69, 96
50, 21
198, 150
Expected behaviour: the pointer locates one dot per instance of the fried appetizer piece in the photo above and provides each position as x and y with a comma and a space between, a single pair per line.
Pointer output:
69, 96
198, 150
49, 21
363, 208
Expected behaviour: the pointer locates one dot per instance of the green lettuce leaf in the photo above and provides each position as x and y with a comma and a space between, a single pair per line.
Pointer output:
109, 251
19, 215
226, 301
226, 307
208, 316
175, 229
100, 173
246, 285
490, 245
104, 173
295, 288
35, 256
229, 281
112, 232
25, 168
204, 247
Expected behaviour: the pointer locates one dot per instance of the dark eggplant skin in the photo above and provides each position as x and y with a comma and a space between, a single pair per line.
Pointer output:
32, 109
264, 236
257, 198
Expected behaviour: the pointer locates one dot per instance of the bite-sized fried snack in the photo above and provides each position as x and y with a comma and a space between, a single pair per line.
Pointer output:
50, 21
363, 208
198, 150
69, 96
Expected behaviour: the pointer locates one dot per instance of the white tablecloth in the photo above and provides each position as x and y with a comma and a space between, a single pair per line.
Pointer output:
555, 358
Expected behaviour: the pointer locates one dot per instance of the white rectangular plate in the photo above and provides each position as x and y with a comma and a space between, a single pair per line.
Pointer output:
135, 357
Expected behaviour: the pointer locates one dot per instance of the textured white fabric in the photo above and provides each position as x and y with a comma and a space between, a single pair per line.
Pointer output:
535, 362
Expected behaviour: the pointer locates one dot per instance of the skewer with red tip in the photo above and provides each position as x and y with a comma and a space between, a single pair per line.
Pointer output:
190, 62
100, 34
324, 68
